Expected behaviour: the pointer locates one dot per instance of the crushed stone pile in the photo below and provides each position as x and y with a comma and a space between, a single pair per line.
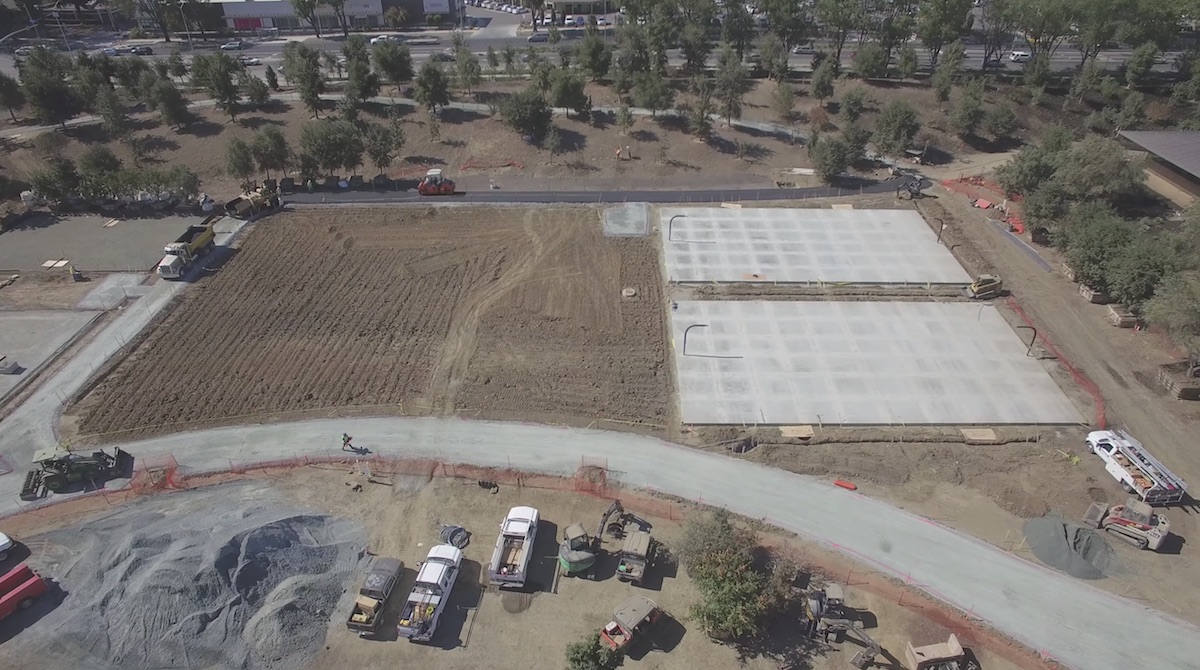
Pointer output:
1072, 548
221, 578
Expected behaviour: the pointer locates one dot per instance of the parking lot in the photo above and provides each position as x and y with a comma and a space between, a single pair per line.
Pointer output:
89, 242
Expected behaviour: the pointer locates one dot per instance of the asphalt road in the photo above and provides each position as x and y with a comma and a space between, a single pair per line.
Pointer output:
498, 196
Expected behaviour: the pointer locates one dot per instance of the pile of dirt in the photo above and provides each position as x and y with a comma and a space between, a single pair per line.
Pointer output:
219, 579
1076, 550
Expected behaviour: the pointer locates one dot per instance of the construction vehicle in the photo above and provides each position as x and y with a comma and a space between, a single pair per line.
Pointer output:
631, 620
435, 183
985, 287
366, 615
254, 203
578, 553
19, 589
58, 468
1134, 522
1138, 472
948, 655
636, 555
179, 255
430, 593
829, 619
514, 548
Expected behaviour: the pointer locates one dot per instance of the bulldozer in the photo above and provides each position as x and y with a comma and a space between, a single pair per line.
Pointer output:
253, 203
985, 287
56, 469
435, 183
1134, 522
578, 552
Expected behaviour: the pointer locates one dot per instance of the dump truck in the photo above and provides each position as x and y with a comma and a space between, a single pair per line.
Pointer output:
435, 183
1139, 473
367, 613
514, 548
254, 203
636, 555
179, 255
55, 469
631, 619
1134, 522
430, 593
985, 287
19, 589
948, 655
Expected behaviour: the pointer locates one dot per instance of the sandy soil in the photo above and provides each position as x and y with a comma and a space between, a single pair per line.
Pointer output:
478, 311
486, 628
46, 290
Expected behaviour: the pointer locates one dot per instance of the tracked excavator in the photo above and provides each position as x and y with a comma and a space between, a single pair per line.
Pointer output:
828, 620
578, 552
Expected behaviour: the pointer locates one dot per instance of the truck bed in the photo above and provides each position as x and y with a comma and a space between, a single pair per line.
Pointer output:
513, 555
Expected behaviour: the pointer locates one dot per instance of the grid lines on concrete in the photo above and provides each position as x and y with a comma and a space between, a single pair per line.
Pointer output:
889, 246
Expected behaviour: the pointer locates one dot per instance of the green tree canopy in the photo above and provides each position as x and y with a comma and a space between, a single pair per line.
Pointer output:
433, 86
527, 113
896, 128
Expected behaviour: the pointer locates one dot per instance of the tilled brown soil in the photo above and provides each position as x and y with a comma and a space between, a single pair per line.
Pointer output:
413, 311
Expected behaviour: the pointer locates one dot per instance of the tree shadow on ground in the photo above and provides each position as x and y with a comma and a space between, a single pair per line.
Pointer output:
256, 122
992, 146
202, 128
571, 141
672, 122
455, 116
784, 641
424, 160
602, 120
644, 136
158, 143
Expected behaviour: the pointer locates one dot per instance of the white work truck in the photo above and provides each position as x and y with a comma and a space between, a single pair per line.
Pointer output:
514, 548
1138, 472
430, 593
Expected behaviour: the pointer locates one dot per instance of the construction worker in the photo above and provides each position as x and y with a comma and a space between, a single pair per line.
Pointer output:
346, 446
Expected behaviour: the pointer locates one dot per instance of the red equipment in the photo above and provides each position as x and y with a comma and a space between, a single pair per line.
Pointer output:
435, 184
19, 588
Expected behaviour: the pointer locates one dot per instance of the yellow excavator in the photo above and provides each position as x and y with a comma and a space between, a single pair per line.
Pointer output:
985, 287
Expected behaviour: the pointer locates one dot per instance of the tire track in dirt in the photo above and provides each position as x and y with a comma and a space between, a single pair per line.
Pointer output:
463, 335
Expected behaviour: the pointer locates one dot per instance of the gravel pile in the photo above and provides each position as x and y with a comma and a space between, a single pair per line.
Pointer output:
1077, 550
220, 578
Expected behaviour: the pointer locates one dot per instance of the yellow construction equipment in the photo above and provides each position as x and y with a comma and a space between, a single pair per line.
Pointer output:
985, 287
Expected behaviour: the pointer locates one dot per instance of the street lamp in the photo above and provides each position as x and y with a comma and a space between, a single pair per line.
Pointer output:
186, 29
63, 30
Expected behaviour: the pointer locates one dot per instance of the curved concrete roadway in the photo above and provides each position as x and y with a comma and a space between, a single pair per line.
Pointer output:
1068, 620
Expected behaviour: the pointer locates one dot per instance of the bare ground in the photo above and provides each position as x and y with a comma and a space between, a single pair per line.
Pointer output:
477, 311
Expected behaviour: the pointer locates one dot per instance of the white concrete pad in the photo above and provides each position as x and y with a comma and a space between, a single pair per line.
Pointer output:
781, 363
31, 338
882, 246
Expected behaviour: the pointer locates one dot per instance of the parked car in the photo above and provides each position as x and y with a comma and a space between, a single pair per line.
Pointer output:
235, 45
141, 51
1160, 59
539, 37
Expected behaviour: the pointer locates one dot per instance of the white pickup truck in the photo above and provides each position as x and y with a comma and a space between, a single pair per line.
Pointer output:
435, 580
1138, 472
514, 548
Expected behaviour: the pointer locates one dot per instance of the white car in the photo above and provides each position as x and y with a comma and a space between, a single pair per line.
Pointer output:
6, 544
235, 45
249, 60
1020, 56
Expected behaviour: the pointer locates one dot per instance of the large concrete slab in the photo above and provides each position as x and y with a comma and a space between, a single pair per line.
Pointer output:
89, 243
759, 362
885, 246
31, 338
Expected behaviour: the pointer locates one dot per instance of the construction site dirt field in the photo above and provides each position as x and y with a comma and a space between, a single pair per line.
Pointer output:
476, 311
296, 543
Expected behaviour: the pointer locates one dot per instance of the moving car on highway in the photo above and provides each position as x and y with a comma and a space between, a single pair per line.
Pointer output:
234, 45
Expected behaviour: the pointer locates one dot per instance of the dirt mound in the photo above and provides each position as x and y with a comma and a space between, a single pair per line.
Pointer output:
1077, 550
198, 580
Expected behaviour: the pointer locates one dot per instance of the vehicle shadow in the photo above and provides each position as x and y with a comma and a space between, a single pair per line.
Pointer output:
543, 565
13, 624
453, 631
210, 264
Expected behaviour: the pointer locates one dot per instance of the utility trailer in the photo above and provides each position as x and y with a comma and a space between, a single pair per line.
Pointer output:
19, 589
514, 548
430, 593
367, 613
1139, 473
636, 555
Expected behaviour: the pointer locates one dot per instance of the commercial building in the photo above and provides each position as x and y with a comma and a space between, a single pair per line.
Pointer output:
1172, 162
251, 16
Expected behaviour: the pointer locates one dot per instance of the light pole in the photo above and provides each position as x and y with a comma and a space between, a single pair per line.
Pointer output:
66, 42
186, 29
